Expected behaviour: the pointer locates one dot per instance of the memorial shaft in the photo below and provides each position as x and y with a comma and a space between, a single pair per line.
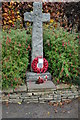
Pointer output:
37, 17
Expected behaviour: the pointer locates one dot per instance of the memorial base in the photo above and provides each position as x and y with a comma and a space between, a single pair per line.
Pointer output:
31, 76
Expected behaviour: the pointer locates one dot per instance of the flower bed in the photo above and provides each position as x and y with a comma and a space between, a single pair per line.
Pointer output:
15, 57
61, 51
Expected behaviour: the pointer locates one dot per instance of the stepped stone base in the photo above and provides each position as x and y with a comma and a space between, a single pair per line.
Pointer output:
31, 76
41, 93
46, 86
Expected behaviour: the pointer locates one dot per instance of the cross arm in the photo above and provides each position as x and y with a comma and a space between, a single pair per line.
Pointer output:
28, 16
46, 17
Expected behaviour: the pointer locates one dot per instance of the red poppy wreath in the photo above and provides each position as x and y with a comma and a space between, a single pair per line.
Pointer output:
39, 70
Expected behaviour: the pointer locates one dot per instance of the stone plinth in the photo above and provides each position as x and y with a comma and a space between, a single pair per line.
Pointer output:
31, 76
46, 86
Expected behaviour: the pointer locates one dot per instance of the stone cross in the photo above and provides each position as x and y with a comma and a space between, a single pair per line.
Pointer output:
37, 17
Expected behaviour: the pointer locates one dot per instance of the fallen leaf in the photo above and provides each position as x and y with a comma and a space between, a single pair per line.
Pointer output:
19, 103
60, 104
68, 101
48, 113
50, 103
55, 104
7, 103
55, 110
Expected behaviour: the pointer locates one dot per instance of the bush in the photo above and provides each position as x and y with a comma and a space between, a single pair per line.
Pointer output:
67, 14
15, 57
61, 51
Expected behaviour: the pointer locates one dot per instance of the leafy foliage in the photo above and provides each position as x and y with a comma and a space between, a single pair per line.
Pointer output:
72, 12
66, 14
61, 51
11, 15
15, 56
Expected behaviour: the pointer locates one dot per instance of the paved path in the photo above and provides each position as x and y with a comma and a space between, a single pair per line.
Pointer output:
34, 110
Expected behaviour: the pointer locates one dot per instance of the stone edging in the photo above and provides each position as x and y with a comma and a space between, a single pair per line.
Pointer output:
58, 95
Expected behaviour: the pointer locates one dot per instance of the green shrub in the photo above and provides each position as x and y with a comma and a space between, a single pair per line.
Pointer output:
15, 57
61, 51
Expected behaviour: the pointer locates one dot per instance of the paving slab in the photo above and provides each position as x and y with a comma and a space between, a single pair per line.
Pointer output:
48, 85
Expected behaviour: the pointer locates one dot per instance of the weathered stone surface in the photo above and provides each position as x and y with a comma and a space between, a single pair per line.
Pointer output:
53, 101
67, 94
75, 93
65, 99
41, 101
5, 97
40, 87
37, 17
67, 91
62, 86
57, 100
76, 96
31, 100
31, 76
21, 89
57, 97
41, 93
46, 95
5, 100
24, 94
48, 99
70, 97
9, 90
15, 100
64, 96
73, 88
14, 95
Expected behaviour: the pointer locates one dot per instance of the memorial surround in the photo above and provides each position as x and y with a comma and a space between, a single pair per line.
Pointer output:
39, 93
